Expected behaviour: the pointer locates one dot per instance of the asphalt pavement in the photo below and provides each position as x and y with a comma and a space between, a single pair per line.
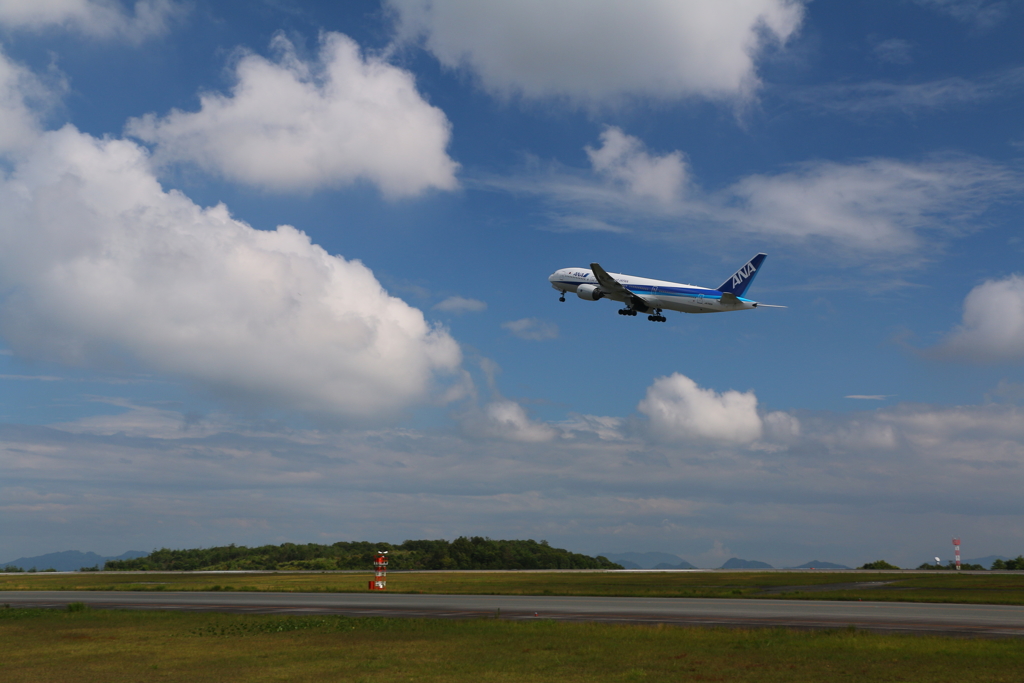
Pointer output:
976, 620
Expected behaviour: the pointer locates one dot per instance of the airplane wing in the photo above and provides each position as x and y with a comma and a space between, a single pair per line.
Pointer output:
616, 289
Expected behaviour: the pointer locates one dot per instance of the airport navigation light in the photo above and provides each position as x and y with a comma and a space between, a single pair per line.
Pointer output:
956, 548
380, 571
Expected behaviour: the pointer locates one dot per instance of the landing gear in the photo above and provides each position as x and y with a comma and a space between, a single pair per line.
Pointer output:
627, 311
657, 317
562, 298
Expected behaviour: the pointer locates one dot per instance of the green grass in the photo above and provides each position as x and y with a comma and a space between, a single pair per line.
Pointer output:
994, 588
114, 646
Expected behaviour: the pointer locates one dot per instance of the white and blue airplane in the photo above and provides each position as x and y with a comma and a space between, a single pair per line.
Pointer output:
643, 295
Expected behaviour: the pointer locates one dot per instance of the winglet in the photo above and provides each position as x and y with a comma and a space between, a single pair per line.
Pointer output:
741, 279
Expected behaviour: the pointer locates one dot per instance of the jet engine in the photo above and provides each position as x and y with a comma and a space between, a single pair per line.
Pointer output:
589, 292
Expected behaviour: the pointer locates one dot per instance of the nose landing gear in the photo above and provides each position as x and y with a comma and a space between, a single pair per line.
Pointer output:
562, 297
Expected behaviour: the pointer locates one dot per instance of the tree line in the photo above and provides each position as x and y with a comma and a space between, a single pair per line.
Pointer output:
463, 553
1017, 564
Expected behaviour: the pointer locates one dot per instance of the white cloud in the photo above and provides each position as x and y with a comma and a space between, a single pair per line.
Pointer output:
679, 409
34, 378
94, 18
858, 435
148, 422
290, 125
875, 205
98, 264
893, 51
623, 159
993, 323
22, 96
852, 486
981, 13
459, 304
881, 97
601, 52
876, 209
604, 427
781, 427
943, 428
532, 329
507, 419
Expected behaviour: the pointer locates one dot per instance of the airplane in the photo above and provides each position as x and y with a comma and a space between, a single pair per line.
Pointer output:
643, 295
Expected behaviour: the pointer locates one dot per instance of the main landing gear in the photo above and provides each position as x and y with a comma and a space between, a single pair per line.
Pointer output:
655, 317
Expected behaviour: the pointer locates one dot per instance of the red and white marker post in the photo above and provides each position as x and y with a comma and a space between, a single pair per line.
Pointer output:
380, 571
956, 548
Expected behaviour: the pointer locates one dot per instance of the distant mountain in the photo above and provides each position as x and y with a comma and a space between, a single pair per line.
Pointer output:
818, 564
986, 561
648, 560
69, 560
737, 563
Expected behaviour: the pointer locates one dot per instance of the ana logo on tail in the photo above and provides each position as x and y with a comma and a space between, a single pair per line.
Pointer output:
743, 273
740, 280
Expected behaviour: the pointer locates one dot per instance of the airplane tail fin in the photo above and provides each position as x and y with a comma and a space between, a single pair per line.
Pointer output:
740, 280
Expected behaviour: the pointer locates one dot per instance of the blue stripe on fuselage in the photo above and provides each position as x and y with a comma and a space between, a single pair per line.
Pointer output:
688, 292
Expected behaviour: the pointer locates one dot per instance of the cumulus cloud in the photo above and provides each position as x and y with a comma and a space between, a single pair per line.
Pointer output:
460, 304
290, 125
993, 324
679, 409
600, 52
532, 329
781, 427
507, 419
850, 485
622, 158
98, 264
22, 98
94, 18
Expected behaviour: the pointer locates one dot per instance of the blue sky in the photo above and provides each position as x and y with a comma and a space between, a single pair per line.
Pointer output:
277, 272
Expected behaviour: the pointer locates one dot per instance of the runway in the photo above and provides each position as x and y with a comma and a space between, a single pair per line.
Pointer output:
974, 620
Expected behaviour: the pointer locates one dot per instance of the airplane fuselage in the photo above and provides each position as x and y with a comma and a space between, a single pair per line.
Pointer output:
671, 296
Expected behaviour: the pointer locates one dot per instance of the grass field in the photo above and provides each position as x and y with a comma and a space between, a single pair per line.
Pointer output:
114, 646
994, 588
